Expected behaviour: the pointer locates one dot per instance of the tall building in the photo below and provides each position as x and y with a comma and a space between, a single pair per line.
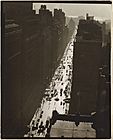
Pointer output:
29, 58
86, 63
60, 23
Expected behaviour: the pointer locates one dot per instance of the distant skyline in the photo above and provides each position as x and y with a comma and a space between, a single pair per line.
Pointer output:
100, 11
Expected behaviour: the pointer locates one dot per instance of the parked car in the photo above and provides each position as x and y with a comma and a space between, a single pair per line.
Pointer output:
56, 99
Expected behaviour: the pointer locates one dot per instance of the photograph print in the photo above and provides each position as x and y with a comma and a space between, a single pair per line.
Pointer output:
56, 79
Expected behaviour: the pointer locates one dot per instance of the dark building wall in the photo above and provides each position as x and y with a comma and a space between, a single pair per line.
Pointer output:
91, 81
11, 73
103, 118
30, 55
86, 63
15, 10
90, 30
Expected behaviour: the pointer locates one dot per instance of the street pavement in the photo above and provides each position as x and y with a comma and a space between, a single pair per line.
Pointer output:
55, 95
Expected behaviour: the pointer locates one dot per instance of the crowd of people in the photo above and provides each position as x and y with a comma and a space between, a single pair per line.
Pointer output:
56, 96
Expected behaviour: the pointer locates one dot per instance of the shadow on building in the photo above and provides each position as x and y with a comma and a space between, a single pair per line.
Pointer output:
32, 46
91, 74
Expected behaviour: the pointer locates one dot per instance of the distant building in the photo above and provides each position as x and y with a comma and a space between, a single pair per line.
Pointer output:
59, 17
71, 26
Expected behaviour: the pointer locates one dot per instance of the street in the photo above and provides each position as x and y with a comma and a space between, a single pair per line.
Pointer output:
57, 95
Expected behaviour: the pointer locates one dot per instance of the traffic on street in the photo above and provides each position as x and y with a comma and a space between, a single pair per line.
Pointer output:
56, 96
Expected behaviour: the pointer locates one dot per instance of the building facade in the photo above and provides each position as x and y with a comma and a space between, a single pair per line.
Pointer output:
30, 53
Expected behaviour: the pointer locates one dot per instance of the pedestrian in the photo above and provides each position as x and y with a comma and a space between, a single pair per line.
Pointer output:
39, 132
47, 123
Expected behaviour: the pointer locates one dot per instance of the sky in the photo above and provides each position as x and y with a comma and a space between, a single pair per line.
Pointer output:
101, 11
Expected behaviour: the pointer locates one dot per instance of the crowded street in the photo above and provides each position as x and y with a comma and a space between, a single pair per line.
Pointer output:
57, 95
56, 78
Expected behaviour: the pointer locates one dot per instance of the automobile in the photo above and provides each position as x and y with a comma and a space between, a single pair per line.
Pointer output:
48, 99
38, 120
34, 128
56, 99
63, 103
46, 94
67, 100
47, 89
42, 112
61, 78
63, 67
51, 90
40, 115
61, 91
52, 94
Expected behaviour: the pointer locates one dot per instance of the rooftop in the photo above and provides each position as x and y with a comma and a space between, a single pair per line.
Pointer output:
69, 129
